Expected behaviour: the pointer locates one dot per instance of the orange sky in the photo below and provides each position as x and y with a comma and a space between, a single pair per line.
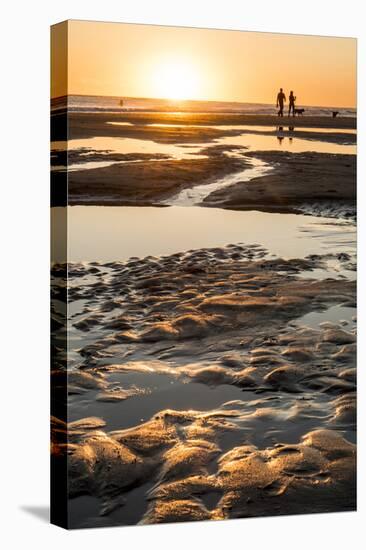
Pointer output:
151, 61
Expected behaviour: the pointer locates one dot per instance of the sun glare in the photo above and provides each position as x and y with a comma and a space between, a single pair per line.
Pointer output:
176, 80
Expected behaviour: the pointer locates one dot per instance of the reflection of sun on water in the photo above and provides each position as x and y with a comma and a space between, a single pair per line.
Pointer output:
176, 80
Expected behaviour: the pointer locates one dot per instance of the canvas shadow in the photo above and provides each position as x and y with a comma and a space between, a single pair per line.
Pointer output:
40, 512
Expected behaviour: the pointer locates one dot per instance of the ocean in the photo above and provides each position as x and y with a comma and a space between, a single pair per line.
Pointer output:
109, 104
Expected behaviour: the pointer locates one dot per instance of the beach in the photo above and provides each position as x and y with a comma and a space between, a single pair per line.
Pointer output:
211, 316
200, 148
210, 395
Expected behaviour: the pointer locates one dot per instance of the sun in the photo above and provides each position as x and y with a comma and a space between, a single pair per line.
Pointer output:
176, 80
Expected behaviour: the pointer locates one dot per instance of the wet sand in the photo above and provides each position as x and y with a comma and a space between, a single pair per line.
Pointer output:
146, 183
219, 320
298, 181
134, 179
89, 124
218, 382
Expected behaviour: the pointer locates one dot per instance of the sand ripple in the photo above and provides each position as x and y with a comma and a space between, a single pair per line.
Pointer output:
272, 428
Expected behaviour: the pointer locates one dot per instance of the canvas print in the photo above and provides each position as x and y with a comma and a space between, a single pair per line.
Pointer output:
203, 296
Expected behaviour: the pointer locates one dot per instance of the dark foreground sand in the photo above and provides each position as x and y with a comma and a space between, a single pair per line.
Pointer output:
222, 318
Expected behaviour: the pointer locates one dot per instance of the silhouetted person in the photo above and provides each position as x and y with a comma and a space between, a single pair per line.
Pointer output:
291, 105
281, 98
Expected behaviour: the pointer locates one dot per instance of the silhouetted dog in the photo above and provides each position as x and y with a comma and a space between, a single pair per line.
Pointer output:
335, 113
299, 111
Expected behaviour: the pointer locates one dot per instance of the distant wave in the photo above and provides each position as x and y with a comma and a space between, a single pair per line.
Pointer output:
102, 104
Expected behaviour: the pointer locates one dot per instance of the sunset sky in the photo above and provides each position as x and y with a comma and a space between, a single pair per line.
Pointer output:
181, 63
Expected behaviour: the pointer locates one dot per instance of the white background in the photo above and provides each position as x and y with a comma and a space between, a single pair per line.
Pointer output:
24, 133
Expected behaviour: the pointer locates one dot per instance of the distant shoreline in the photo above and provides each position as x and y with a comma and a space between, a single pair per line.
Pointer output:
111, 104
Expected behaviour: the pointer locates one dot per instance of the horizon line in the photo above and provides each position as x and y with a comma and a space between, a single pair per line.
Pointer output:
192, 100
